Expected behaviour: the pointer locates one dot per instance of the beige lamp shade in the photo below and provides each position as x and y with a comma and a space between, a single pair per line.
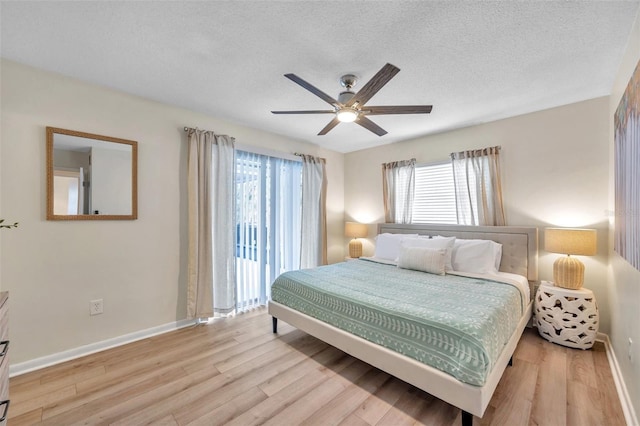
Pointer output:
355, 230
568, 272
570, 241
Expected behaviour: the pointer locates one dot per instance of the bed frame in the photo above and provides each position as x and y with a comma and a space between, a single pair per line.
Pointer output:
519, 255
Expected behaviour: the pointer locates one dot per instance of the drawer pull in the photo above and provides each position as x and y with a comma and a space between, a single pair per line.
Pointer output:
5, 343
6, 410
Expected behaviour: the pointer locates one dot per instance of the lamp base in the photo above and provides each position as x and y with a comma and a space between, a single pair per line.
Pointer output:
568, 272
355, 248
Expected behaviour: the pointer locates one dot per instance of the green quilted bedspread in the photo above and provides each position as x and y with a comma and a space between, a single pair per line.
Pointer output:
456, 324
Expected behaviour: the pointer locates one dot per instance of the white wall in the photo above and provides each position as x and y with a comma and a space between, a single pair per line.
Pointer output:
624, 280
555, 173
52, 269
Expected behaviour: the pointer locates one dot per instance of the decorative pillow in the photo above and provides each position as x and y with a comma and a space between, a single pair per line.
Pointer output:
423, 259
388, 245
434, 243
478, 256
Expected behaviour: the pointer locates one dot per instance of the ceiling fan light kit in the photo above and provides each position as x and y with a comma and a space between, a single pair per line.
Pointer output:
350, 106
347, 115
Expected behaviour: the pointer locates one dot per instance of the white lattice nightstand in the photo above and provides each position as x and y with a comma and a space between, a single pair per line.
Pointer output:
566, 317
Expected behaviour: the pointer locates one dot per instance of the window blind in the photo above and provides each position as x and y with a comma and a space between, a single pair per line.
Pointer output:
434, 197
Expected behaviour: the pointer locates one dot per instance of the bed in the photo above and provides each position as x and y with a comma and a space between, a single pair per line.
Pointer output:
469, 385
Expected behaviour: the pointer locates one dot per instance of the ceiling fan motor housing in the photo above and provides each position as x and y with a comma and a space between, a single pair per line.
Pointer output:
345, 96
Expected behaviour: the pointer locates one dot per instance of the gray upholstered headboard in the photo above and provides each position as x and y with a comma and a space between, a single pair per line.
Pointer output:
519, 244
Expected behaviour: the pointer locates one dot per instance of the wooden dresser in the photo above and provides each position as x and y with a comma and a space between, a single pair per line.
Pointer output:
4, 357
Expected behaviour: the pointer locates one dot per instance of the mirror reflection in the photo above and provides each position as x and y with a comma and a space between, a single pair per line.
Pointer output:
90, 176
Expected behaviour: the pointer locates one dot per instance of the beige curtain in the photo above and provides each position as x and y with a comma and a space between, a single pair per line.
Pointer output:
313, 247
398, 184
211, 280
478, 187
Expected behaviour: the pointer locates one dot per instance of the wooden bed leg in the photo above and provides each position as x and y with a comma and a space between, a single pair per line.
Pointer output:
467, 418
275, 324
511, 362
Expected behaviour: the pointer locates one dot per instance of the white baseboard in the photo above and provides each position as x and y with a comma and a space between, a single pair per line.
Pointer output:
627, 407
57, 358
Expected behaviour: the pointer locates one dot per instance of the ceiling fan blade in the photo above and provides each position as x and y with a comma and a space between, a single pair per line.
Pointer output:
376, 83
333, 123
317, 111
370, 125
319, 93
398, 109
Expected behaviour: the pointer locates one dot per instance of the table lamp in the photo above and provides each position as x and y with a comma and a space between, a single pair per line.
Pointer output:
568, 272
355, 230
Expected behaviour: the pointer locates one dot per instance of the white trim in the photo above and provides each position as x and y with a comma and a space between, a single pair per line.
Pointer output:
57, 358
623, 395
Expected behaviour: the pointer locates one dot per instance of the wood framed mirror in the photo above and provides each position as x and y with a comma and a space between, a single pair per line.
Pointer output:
91, 177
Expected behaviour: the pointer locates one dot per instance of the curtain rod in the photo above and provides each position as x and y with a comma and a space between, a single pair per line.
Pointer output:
302, 155
188, 129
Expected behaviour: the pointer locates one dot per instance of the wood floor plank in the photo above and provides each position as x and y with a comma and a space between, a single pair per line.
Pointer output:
380, 402
610, 407
550, 403
38, 402
166, 421
307, 405
291, 378
26, 391
530, 349
124, 403
140, 370
513, 407
244, 384
26, 419
583, 406
406, 410
223, 414
305, 384
436, 412
190, 403
338, 408
353, 420
216, 391
581, 367
114, 392
325, 355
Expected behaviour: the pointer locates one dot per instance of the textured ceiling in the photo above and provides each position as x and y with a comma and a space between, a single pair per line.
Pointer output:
473, 61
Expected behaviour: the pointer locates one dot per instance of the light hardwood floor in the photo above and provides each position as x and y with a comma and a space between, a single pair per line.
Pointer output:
237, 372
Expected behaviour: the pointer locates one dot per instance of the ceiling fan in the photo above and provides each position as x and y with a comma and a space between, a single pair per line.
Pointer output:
350, 106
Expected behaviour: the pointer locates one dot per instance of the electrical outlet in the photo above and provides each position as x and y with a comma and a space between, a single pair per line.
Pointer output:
95, 307
630, 353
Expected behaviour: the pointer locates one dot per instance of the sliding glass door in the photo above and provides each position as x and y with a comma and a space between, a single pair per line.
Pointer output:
268, 212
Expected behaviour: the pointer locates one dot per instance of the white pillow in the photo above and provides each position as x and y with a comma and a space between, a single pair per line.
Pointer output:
388, 245
422, 259
479, 256
434, 243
